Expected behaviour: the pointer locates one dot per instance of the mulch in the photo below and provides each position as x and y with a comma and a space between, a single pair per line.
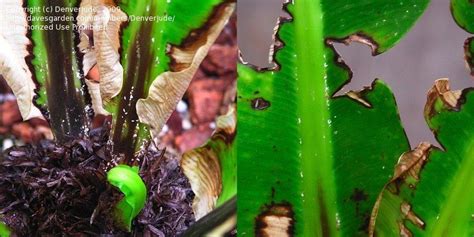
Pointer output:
49, 189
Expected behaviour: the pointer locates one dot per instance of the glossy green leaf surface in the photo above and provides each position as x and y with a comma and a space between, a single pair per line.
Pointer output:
144, 56
433, 196
463, 13
55, 65
129, 182
310, 163
4, 230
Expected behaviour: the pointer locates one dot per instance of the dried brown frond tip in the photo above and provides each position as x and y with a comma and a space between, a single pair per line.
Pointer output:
442, 90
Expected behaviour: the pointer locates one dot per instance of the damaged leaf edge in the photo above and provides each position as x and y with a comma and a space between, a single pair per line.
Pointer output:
203, 169
453, 101
409, 163
442, 90
359, 37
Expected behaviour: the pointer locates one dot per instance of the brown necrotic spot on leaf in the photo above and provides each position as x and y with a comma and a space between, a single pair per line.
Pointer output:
276, 220
408, 214
359, 195
404, 231
260, 103
411, 216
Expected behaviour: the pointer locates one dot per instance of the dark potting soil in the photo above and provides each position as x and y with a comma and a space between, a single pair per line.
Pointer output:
49, 189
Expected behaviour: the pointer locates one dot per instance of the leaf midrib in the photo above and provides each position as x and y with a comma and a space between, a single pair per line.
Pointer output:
314, 123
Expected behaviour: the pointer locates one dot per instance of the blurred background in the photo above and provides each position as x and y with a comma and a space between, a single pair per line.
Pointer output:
432, 50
